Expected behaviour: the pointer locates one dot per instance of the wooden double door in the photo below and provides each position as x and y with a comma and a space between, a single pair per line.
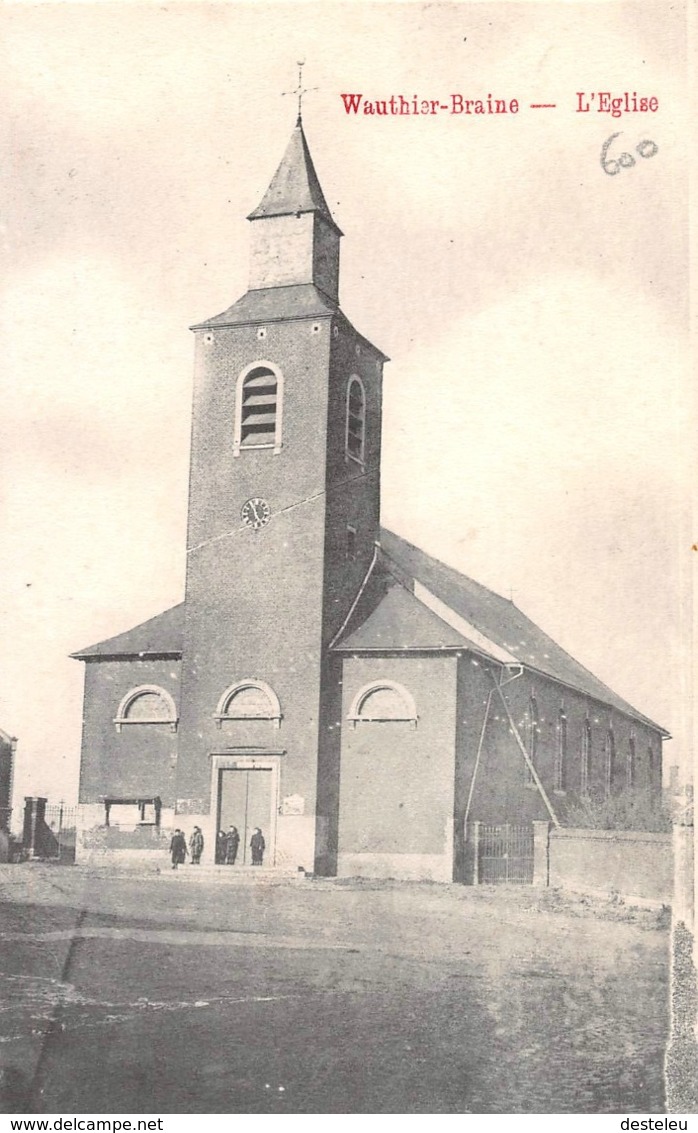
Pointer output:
245, 801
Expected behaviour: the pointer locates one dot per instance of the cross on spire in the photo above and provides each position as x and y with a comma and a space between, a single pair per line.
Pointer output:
299, 91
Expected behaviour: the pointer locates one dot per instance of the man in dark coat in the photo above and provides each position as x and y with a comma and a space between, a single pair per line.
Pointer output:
221, 845
232, 842
178, 848
196, 846
257, 845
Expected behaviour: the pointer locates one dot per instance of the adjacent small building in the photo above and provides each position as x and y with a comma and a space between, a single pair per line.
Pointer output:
8, 747
358, 700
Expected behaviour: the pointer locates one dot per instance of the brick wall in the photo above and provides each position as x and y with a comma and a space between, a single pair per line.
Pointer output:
396, 797
140, 760
632, 864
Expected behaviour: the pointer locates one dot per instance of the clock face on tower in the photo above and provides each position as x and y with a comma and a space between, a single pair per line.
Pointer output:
255, 513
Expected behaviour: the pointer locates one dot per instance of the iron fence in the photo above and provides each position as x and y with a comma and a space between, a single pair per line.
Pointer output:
505, 854
59, 832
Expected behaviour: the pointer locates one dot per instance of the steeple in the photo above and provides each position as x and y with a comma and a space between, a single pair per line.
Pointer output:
294, 238
294, 188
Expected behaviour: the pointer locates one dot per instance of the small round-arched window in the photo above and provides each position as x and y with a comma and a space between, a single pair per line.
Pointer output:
147, 704
383, 700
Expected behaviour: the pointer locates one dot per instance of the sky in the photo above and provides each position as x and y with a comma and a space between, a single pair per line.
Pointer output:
535, 309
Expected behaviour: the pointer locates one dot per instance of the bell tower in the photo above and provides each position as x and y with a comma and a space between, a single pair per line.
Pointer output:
294, 238
284, 503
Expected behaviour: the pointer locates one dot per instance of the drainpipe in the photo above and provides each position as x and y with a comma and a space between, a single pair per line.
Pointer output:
529, 762
491, 693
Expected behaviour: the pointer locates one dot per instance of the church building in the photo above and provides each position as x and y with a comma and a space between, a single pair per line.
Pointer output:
323, 680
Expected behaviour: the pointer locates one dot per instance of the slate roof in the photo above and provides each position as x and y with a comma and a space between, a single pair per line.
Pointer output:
399, 621
377, 623
294, 187
277, 304
390, 617
159, 636
269, 304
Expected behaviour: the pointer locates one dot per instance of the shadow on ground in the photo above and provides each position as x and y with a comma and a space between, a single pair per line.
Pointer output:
137, 995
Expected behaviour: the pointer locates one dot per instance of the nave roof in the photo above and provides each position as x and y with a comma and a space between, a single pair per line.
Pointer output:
472, 617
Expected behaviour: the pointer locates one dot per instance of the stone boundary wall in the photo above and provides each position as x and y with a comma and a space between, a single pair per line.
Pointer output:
633, 864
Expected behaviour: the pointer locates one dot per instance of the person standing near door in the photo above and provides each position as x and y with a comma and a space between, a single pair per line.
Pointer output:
257, 846
178, 848
232, 843
196, 846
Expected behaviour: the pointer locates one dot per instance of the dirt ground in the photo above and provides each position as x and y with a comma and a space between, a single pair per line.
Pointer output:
160, 994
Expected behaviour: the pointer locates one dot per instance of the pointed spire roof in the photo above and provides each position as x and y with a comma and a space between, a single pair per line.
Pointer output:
294, 187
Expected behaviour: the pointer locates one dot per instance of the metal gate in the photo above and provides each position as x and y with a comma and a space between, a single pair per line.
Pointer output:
505, 855
58, 841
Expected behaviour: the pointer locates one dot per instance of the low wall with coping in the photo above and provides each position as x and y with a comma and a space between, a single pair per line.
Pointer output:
631, 863
98, 844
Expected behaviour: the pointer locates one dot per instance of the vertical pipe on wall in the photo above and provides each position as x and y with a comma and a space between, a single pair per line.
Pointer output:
529, 762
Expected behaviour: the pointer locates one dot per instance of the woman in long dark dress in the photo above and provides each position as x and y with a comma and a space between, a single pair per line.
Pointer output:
257, 845
196, 846
232, 842
178, 849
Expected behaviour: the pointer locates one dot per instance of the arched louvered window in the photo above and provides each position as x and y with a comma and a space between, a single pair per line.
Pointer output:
258, 408
585, 784
356, 420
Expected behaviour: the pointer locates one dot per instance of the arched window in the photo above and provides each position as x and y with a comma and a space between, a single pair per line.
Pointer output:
147, 704
532, 731
248, 700
258, 407
561, 753
610, 760
383, 700
585, 784
356, 420
630, 766
653, 775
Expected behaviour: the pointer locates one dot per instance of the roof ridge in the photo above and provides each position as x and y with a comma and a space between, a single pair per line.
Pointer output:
454, 570
560, 660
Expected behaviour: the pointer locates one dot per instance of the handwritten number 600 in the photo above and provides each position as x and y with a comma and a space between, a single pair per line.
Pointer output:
612, 165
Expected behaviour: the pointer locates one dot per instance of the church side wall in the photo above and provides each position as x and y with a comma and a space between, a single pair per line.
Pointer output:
473, 687
353, 499
137, 762
329, 767
503, 792
551, 698
140, 760
353, 489
396, 796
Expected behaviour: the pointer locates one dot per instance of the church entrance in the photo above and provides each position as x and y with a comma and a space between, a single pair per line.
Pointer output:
245, 801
